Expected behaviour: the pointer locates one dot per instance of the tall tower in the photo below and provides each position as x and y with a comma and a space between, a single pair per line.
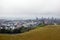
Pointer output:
37, 18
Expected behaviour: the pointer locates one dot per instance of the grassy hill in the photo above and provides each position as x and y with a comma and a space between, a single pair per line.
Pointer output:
50, 32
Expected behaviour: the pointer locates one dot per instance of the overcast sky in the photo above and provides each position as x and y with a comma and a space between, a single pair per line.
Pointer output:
29, 8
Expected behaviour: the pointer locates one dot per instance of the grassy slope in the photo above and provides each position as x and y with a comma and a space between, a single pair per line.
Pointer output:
43, 33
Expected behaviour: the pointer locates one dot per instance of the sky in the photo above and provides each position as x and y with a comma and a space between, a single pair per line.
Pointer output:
29, 8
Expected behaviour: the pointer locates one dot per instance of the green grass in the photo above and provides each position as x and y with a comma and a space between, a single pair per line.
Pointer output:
41, 25
50, 32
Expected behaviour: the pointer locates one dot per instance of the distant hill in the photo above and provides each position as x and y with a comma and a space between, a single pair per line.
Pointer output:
50, 32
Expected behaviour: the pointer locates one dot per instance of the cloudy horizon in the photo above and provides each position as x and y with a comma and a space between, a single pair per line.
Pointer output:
29, 8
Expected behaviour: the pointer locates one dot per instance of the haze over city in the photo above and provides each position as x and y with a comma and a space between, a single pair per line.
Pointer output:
29, 19
29, 8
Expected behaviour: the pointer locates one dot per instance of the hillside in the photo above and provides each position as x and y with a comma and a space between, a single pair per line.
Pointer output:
50, 32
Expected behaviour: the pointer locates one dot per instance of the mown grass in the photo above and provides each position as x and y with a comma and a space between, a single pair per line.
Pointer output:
50, 32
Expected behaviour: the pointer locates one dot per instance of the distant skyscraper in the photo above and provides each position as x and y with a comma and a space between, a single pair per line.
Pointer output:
37, 18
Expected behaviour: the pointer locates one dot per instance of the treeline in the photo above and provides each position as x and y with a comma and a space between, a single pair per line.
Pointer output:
20, 30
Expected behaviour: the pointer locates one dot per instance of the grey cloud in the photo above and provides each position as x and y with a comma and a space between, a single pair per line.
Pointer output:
29, 8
